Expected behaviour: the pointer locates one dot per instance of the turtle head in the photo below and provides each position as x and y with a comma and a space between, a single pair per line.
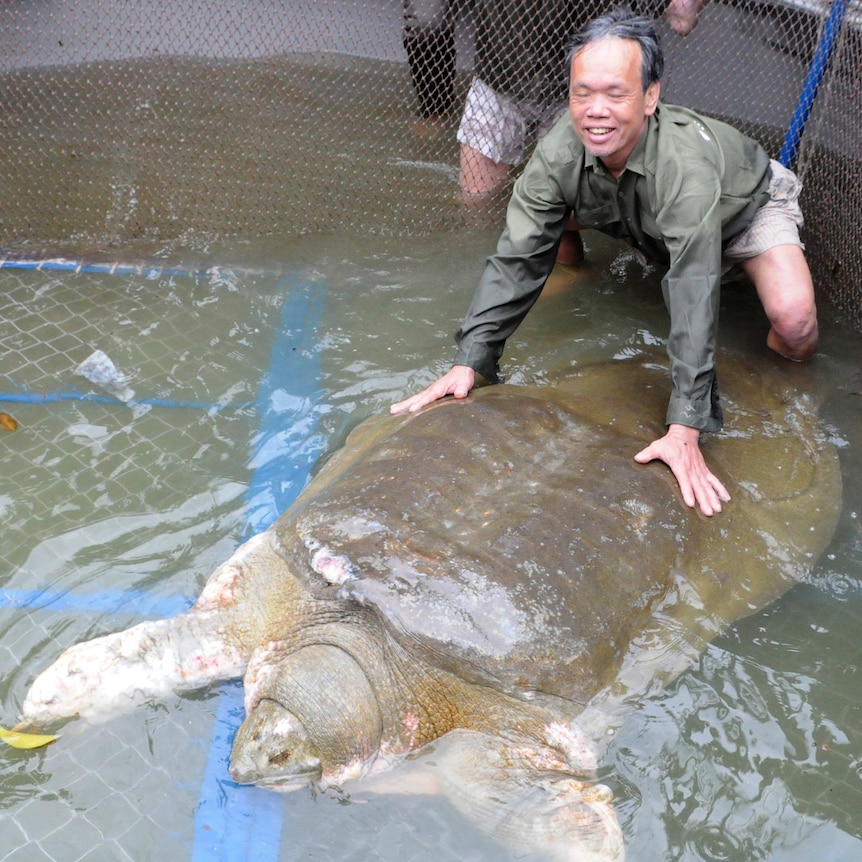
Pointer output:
273, 749
312, 717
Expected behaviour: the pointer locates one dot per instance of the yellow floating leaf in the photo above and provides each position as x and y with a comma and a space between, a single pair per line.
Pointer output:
25, 740
10, 423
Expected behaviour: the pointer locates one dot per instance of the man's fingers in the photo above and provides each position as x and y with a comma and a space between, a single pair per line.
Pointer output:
719, 488
697, 484
458, 381
687, 490
461, 390
707, 491
646, 455
707, 501
414, 402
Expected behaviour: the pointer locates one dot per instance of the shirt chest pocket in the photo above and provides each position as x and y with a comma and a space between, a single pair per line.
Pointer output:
599, 217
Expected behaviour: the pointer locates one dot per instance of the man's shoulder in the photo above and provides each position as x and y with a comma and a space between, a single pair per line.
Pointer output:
682, 122
560, 147
667, 113
686, 123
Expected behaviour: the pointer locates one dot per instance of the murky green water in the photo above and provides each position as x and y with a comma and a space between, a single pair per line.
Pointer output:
109, 509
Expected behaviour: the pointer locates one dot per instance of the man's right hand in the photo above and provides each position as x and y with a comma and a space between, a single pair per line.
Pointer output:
457, 381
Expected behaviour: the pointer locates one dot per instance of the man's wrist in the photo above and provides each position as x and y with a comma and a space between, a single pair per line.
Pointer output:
684, 432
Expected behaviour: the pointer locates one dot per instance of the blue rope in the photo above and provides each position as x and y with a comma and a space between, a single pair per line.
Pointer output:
819, 63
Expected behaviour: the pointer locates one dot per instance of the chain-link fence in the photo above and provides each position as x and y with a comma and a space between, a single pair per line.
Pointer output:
154, 130
126, 481
157, 127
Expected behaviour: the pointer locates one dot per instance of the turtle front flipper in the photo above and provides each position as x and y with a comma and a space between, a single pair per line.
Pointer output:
109, 675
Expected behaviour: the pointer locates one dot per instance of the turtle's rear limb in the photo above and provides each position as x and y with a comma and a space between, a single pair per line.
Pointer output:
520, 793
525, 797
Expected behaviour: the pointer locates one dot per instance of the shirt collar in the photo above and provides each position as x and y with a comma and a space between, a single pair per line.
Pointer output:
636, 162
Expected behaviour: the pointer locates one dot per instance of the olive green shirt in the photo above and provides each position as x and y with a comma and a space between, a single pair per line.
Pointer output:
690, 185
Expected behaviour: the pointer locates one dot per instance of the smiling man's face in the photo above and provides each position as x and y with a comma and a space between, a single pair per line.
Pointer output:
607, 102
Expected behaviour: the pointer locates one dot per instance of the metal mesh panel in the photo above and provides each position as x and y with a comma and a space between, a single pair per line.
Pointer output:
830, 162
162, 126
159, 482
157, 129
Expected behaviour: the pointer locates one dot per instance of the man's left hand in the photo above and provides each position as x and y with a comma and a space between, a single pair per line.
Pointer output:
680, 450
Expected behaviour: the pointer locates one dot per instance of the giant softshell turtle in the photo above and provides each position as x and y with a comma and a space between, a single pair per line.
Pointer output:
497, 573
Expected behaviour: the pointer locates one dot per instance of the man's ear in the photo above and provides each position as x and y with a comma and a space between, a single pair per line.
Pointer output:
651, 97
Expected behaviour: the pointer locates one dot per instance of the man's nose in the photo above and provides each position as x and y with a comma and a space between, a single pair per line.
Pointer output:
597, 106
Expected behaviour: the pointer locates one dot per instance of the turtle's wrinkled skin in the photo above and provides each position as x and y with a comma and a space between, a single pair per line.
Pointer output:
495, 573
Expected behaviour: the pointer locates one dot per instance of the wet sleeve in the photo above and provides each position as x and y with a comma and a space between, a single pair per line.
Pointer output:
691, 224
515, 275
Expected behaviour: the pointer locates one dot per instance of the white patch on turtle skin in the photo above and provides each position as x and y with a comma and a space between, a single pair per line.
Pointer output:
220, 590
410, 722
574, 744
98, 678
263, 666
223, 588
350, 771
334, 568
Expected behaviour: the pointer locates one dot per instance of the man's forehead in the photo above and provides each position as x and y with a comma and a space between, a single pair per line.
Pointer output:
610, 56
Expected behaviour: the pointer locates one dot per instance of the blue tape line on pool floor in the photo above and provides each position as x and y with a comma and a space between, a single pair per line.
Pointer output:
54, 397
138, 602
145, 270
235, 823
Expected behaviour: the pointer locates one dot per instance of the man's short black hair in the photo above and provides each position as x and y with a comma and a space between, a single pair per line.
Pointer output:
623, 23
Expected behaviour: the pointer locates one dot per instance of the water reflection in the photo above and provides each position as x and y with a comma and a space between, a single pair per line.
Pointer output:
754, 754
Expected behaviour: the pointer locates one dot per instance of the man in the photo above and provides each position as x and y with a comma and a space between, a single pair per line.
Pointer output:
519, 85
685, 190
519, 90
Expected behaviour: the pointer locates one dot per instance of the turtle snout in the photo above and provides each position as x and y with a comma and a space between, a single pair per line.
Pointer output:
272, 748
